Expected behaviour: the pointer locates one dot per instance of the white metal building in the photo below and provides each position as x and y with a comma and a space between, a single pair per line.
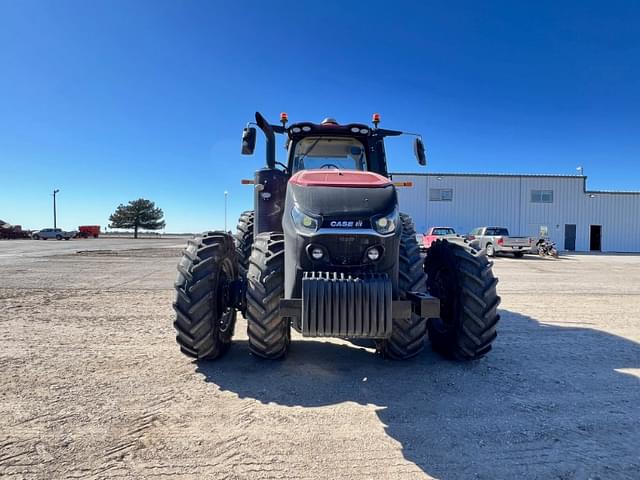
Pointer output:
529, 205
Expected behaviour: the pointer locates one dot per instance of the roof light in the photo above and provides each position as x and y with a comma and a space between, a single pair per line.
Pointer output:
364, 130
355, 129
375, 119
306, 128
284, 118
296, 130
329, 121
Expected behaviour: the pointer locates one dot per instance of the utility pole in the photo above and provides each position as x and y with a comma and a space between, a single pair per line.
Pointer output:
54, 207
226, 195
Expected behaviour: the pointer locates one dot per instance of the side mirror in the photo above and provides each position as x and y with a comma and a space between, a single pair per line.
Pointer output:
418, 151
248, 140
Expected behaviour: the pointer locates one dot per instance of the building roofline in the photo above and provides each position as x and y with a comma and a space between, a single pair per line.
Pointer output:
615, 192
501, 175
525, 175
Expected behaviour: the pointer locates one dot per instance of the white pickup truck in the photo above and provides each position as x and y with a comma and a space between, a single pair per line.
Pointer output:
56, 233
497, 240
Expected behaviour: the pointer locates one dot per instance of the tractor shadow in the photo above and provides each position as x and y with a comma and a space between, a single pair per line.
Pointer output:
547, 402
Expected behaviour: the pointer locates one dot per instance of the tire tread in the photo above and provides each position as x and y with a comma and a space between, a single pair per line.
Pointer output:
269, 334
471, 333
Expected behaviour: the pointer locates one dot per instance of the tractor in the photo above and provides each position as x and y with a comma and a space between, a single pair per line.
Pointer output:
327, 252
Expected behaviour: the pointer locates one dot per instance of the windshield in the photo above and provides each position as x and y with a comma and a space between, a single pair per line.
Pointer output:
329, 152
443, 231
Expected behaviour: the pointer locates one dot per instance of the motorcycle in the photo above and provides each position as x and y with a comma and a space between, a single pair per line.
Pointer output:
547, 248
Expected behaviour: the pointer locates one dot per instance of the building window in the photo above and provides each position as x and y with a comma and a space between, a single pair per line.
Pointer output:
541, 196
440, 194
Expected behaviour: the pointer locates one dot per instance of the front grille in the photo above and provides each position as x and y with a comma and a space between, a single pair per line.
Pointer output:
346, 249
340, 305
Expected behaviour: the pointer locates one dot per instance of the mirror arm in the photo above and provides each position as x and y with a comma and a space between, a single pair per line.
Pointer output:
418, 135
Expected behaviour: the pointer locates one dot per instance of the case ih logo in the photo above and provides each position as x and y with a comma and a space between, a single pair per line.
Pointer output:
346, 223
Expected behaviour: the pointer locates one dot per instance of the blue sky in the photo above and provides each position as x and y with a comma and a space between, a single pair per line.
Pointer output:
114, 100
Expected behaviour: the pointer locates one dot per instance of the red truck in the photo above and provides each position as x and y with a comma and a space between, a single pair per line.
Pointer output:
435, 233
86, 231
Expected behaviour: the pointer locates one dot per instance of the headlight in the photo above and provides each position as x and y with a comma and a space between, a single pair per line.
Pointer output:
304, 221
373, 253
386, 223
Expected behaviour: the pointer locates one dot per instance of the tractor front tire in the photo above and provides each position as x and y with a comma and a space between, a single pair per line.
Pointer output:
462, 279
205, 316
408, 334
244, 240
269, 333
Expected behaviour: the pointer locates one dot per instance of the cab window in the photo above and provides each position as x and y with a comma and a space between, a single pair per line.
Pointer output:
329, 153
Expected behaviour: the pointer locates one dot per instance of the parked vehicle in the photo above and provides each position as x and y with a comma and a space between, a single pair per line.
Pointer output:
12, 232
47, 233
86, 231
546, 247
326, 251
497, 240
435, 233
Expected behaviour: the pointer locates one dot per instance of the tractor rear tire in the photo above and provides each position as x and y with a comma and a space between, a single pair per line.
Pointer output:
408, 334
269, 333
462, 279
205, 316
244, 240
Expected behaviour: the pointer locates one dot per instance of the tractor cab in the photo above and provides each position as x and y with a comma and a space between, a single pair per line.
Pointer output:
354, 146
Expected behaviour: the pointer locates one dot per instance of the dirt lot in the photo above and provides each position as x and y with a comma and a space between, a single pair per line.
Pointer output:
93, 385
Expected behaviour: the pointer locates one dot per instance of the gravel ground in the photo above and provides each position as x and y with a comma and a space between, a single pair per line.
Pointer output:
93, 385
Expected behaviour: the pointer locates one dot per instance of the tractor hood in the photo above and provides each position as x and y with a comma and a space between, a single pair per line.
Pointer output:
342, 196
339, 178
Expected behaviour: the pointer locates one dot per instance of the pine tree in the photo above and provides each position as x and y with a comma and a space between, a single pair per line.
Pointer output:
137, 214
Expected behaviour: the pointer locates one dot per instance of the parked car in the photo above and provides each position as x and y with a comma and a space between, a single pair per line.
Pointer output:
435, 233
47, 233
497, 240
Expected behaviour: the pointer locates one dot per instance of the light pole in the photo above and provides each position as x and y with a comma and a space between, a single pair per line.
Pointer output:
54, 207
226, 195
